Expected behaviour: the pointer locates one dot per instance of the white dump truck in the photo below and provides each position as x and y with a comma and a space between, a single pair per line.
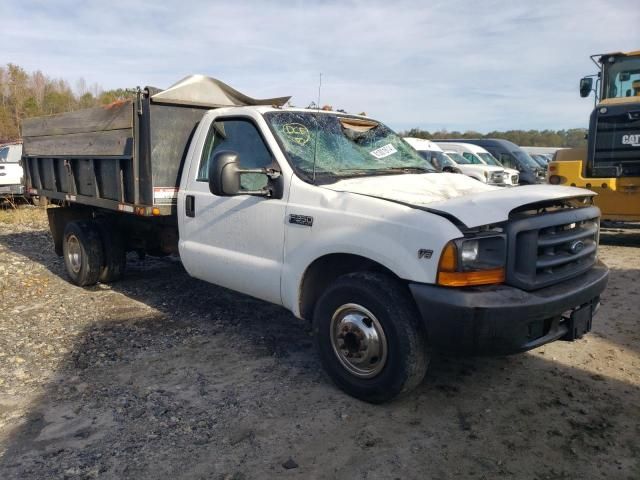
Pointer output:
331, 215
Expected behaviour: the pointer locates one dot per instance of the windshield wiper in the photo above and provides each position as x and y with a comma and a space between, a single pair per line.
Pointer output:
406, 170
384, 171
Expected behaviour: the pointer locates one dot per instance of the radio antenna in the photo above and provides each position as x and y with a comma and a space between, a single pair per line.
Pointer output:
315, 147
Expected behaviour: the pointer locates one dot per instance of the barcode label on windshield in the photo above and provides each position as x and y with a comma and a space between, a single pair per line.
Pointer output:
384, 151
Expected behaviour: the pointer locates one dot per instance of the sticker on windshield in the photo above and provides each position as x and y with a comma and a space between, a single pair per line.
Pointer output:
384, 151
296, 132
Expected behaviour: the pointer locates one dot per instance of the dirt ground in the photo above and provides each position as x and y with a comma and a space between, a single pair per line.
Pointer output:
164, 376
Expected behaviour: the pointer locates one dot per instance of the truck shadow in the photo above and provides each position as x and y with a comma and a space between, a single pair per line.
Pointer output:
202, 382
164, 285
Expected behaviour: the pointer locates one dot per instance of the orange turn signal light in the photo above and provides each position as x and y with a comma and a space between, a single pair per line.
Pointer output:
449, 258
466, 279
449, 276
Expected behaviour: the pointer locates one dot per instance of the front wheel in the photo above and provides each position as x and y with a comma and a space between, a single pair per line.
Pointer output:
369, 337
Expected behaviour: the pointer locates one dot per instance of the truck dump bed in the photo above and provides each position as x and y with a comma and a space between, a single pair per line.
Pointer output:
126, 156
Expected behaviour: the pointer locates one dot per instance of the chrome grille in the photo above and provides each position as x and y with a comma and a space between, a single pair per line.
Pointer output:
549, 248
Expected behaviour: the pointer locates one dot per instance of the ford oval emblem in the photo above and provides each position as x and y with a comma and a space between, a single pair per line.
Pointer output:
576, 247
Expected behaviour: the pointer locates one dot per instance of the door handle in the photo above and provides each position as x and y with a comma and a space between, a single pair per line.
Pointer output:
190, 206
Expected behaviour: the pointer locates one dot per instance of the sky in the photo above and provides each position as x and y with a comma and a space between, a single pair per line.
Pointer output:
455, 65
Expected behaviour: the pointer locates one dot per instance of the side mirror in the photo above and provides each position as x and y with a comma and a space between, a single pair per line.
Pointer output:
586, 84
224, 174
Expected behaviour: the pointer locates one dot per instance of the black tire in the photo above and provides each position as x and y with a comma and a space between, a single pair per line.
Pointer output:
407, 356
114, 253
82, 252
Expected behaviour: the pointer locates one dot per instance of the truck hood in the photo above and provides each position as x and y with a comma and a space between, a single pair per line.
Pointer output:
471, 202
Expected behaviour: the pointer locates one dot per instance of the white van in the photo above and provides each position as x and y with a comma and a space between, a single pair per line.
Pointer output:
479, 171
478, 155
433, 154
11, 173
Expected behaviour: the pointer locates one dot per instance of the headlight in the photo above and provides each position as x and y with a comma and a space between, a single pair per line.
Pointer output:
473, 261
469, 252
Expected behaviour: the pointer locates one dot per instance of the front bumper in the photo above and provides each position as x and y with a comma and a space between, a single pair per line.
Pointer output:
501, 320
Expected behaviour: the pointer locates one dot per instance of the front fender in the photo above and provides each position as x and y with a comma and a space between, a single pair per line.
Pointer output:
380, 230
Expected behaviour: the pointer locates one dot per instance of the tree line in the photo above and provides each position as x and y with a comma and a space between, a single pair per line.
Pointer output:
24, 95
573, 137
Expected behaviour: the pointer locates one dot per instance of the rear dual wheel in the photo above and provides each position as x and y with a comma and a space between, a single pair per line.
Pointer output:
93, 251
82, 251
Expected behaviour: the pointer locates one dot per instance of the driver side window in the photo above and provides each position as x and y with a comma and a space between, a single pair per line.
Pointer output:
240, 136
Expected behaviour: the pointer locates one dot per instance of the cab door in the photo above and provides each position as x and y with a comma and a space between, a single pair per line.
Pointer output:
236, 242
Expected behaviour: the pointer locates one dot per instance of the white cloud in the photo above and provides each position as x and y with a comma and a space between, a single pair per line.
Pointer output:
456, 64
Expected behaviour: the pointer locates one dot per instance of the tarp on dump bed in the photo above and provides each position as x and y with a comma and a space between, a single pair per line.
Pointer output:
203, 91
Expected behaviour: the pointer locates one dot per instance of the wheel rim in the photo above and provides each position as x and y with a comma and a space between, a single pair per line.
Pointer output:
74, 253
358, 340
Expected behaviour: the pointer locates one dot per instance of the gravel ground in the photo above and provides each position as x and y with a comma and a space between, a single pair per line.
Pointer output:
164, 376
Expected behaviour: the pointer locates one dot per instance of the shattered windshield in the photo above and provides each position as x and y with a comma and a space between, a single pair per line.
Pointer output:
342, 146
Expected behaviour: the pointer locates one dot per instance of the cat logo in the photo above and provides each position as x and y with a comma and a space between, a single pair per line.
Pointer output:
633, 140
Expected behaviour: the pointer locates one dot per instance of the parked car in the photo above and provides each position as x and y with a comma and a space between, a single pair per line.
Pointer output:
331, 215
479, 156
509, 155
11, 173
483, 173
